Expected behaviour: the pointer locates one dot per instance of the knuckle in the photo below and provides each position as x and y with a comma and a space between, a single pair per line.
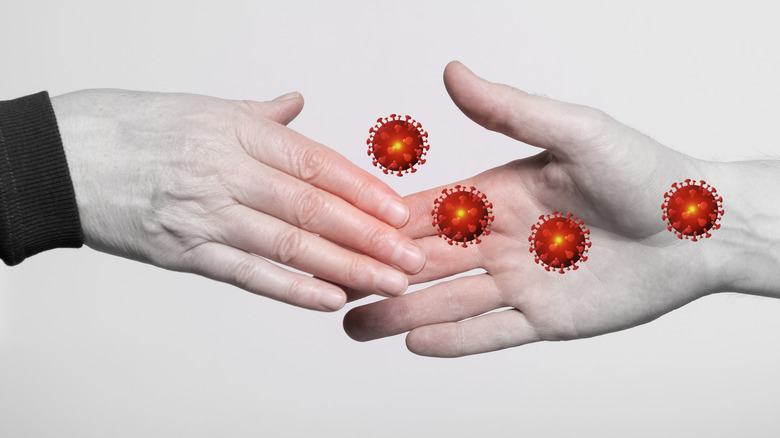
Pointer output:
288, 246
373, 240
361, 191
309, 162
353, 271
501, 115
245, 274
309, 207
590, 124
292, 292
496, 115
250, 105
461, 340
454, 303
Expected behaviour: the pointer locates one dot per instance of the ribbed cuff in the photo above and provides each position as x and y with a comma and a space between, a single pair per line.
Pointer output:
38, 209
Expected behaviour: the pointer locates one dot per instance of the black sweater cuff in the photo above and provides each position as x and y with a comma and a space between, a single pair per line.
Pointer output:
38, 209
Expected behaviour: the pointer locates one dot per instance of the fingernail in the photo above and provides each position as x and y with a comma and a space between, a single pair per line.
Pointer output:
391, 282
287, 96
333, 300
409, 257
394, 212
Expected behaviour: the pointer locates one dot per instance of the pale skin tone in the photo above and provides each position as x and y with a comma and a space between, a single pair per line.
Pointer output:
219, 188
613, 178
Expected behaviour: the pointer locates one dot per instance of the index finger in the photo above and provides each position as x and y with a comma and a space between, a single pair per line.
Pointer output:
288, 151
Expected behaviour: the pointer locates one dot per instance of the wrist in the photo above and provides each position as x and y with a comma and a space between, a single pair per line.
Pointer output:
745, 252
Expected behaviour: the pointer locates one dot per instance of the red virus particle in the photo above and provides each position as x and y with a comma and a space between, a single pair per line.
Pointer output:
461, 216
559, 242
692, 209
397, 144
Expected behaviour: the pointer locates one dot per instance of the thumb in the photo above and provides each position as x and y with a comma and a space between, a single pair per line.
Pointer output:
539, 121
284, 109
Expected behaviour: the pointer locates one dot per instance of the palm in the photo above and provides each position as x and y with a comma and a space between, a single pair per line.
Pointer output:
588, 172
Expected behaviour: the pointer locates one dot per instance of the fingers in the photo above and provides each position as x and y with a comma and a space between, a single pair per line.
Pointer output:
421, 204
494, 331
435, 318
444, 302
442, 259
311, 162
304, 206
254, 274
539, 121
258, 233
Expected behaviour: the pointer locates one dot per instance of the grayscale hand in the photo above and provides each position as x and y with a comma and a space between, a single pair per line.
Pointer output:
610, 176
219, 188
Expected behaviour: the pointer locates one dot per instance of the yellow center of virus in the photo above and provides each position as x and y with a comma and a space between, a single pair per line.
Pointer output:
462, 215
397, 144
692, 209
559, 243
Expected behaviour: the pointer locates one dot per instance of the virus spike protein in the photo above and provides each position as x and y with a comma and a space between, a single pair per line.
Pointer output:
397, 144
559, 242
692, 209
461, 216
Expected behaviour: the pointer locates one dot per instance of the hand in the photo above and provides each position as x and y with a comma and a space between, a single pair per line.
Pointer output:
215, 187
608, 175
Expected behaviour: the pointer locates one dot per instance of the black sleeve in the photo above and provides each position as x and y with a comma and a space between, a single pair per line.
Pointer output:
38, 209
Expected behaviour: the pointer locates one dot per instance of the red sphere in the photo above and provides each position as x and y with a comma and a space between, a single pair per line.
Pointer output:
462, 216
397, 144
559, 242
692, 209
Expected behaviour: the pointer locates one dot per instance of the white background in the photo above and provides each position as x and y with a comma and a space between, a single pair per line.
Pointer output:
96, 346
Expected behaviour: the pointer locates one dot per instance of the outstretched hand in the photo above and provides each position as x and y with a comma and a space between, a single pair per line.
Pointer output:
219, 188
610, 176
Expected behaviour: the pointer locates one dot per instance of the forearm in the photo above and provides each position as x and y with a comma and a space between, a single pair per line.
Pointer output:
745, 253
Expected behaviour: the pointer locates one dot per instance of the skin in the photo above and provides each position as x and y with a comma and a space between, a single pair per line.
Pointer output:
613, 178
222, 188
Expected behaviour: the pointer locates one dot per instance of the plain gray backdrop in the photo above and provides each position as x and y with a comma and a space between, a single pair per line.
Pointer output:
96, 346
